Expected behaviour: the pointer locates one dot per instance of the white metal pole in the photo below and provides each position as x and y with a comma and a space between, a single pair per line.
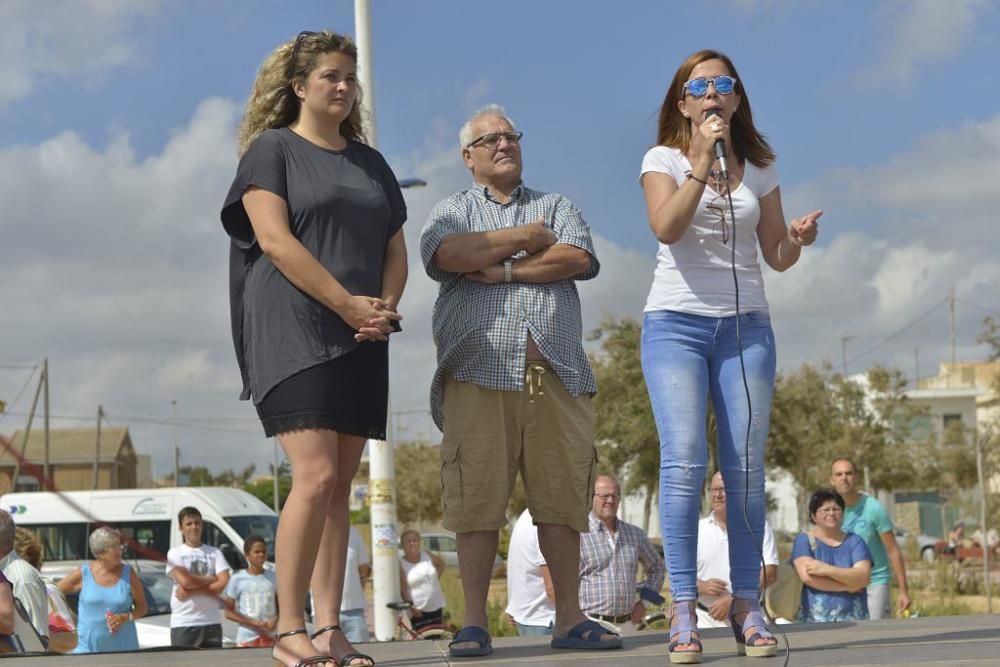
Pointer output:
276, 481
366, 75
382, 474
385, 539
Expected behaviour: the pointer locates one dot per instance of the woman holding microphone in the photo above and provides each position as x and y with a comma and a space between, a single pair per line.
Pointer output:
707, 332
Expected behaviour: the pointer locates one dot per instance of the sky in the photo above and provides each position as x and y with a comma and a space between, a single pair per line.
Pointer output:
117, 148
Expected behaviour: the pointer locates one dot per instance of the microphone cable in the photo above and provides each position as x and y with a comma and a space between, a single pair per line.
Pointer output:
746, 389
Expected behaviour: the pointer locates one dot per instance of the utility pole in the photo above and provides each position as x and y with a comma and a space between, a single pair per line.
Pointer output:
916, 368
843, 351
987, 551
45, 467
951, 330
27, 432
97, 448
177, 452
382, 482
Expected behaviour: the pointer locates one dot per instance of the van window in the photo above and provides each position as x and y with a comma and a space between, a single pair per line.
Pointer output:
62, 541
213, 535
144, 539
265, 525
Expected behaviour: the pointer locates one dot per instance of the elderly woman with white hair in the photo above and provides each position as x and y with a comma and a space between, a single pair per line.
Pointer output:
111, 597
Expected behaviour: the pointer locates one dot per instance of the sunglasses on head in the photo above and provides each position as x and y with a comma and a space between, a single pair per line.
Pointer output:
724, 85
295, 49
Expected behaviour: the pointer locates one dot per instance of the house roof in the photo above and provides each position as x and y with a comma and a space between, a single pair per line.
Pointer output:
70, 445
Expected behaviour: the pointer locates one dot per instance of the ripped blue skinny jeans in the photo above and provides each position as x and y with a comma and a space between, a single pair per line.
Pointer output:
685, 359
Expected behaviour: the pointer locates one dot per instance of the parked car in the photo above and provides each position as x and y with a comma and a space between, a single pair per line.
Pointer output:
446, 546
927, 546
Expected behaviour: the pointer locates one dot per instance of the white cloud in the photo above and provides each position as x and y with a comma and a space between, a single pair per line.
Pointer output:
66, 38
930, 218
919, 32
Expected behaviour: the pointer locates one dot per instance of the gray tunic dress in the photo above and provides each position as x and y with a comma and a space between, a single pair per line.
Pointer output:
343, 206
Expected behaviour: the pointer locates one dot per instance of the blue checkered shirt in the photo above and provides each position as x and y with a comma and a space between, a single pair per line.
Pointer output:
608, 568
481, 330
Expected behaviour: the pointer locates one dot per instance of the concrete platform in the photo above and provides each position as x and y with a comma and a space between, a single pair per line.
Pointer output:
966, 641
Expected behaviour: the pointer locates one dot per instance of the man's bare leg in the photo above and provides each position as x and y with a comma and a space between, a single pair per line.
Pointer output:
476, 552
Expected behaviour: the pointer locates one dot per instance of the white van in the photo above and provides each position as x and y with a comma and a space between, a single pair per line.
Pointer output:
146, 517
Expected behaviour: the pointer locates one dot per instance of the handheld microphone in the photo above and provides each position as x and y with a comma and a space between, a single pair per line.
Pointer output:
720, 145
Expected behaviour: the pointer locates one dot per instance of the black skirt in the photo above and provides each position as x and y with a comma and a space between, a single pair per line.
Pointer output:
348, 395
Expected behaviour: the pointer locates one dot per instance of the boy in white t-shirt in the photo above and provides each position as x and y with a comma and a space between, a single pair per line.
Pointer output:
200, 574
250, 597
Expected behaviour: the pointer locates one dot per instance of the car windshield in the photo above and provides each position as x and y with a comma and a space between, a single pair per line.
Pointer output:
158, 587
264, 525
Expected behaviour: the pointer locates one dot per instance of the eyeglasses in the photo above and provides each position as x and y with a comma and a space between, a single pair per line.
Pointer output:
295, 50
724, 85
830, 510
718, 491
606, 496
492, 140
717, 209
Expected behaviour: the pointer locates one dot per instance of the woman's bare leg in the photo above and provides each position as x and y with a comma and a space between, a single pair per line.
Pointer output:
313, 458
328, 573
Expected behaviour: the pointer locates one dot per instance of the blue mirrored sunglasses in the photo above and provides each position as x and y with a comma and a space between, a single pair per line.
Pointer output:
724, 85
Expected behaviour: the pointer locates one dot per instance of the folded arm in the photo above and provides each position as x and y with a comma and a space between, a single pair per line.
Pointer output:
825, 577
191, 582
474, 251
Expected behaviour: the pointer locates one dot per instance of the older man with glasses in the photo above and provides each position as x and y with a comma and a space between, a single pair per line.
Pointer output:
715, 595
513, 385
609, 560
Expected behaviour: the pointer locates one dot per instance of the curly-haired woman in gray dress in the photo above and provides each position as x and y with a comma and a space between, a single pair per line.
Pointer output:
317, 267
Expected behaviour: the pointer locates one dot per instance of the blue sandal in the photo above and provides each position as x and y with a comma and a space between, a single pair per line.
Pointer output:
586, 636
684, 632
757, 644
471, 633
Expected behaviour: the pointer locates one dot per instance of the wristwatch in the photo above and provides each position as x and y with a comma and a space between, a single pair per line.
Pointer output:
508, 270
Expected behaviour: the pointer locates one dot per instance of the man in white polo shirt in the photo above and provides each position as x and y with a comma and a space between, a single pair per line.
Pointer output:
530, 596
715, 594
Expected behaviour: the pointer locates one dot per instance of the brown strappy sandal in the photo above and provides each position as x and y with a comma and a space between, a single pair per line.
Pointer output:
304, 662
344, 661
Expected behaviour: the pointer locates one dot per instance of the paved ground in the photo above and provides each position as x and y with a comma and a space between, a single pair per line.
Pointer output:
965, 641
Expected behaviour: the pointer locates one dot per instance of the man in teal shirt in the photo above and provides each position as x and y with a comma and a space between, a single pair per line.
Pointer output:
865, 517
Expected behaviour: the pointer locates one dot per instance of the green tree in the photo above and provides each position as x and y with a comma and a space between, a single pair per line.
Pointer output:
418, 482
805, 422
264, 490
627, 442
991, 336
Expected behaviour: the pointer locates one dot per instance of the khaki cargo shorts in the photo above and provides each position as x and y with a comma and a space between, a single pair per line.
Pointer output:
543, 432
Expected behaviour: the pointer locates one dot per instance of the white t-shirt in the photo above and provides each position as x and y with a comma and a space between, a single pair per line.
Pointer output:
694, 274
425, 587
357, 555
197, 609
526, 598
713, 553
